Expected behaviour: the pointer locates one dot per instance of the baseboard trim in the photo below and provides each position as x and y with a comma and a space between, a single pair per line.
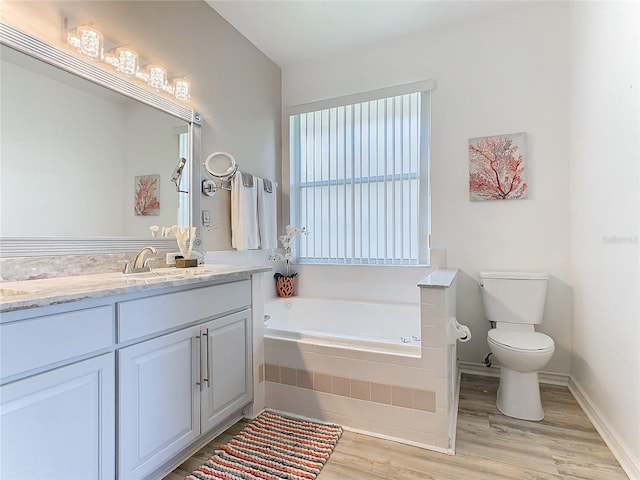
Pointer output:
474, 368
622, 453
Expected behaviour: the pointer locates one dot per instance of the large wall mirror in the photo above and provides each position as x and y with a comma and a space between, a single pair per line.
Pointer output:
87, 157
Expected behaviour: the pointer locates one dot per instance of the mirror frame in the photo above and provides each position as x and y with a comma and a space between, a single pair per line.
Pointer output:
44, 246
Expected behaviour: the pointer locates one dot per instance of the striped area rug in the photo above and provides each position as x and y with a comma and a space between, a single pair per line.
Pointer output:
272, 447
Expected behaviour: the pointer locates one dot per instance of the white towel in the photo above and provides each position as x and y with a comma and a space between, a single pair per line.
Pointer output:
267, 215
244, 215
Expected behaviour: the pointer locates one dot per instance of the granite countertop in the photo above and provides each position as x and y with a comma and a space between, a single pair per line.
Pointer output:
52, 291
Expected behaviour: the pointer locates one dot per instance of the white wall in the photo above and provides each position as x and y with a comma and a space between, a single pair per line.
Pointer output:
493, 76
234, 85
605, 212
157, 155
53, 184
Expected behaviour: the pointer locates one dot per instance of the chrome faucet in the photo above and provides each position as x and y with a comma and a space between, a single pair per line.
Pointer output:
140, 264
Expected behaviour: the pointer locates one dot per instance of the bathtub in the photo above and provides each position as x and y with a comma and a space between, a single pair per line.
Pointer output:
392, 328
357, 363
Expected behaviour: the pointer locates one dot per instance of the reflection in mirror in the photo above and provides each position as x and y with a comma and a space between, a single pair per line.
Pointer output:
80, 160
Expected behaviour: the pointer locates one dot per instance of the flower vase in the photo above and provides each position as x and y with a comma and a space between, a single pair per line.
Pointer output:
286, 285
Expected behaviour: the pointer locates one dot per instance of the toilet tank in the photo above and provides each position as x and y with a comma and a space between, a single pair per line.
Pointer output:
514, 297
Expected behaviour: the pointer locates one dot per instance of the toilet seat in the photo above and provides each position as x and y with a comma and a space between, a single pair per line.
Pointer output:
521, 341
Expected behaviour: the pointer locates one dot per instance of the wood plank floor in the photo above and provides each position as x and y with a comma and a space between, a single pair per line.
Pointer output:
489, 445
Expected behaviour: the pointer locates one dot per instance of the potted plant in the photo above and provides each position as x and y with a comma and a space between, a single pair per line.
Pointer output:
286, 282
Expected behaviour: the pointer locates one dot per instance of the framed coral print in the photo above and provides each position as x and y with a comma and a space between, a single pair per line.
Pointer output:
497, 167
146, 196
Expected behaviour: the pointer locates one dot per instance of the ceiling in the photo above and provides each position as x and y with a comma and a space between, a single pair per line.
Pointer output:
291, 31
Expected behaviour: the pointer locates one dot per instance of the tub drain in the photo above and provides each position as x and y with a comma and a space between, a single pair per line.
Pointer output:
288, 304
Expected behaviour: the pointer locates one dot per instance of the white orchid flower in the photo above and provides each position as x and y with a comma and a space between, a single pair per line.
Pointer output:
287, 241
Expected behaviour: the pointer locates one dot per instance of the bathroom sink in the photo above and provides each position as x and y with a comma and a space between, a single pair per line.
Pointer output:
189, 272
10, 292
143, 275
159, 273
154, 275
169, 272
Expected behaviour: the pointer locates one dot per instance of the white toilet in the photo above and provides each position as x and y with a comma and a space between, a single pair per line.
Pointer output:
515, 302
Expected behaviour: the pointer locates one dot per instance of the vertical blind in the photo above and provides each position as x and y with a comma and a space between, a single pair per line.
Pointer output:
183, 198
355, 173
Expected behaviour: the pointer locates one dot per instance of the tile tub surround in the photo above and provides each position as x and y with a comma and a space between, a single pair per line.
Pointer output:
401, 398
353, 388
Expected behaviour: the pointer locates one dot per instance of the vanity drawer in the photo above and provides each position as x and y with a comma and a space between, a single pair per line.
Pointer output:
37, 342
146, 316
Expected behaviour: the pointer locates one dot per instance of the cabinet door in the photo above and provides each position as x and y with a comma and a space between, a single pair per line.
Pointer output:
60, 424
159, 401
228, 366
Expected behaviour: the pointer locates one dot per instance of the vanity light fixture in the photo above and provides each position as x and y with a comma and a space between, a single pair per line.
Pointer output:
124, 60
157, 76
181, 88
87, 40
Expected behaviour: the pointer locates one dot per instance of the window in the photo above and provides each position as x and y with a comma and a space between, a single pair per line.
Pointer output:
183, 186
359, 179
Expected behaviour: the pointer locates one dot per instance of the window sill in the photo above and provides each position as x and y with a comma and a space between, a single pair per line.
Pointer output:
331, 264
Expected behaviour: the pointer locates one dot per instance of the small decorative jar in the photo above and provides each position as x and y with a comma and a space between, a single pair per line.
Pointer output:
285, 285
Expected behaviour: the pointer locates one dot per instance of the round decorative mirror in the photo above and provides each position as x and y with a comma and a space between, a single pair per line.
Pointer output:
221, 165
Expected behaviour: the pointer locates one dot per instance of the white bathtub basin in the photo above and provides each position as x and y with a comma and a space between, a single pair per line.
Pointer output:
380, 327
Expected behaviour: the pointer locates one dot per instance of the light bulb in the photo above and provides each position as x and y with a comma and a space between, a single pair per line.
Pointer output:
157, 76
87, 40
127, 60
181, 89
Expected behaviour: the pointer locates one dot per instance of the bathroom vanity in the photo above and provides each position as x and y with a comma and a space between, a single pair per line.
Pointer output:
121, 376
108, 375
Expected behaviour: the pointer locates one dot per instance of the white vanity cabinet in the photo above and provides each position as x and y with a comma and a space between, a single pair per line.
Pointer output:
122, 380
57, 413
159, 403
176, 386
228, 360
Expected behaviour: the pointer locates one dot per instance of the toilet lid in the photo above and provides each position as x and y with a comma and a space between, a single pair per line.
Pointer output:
521, 340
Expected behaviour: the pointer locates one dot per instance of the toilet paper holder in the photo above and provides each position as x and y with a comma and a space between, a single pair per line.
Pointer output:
458, 332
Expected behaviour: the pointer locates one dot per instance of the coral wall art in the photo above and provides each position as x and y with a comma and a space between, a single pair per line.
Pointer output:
497, 167
146, 195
